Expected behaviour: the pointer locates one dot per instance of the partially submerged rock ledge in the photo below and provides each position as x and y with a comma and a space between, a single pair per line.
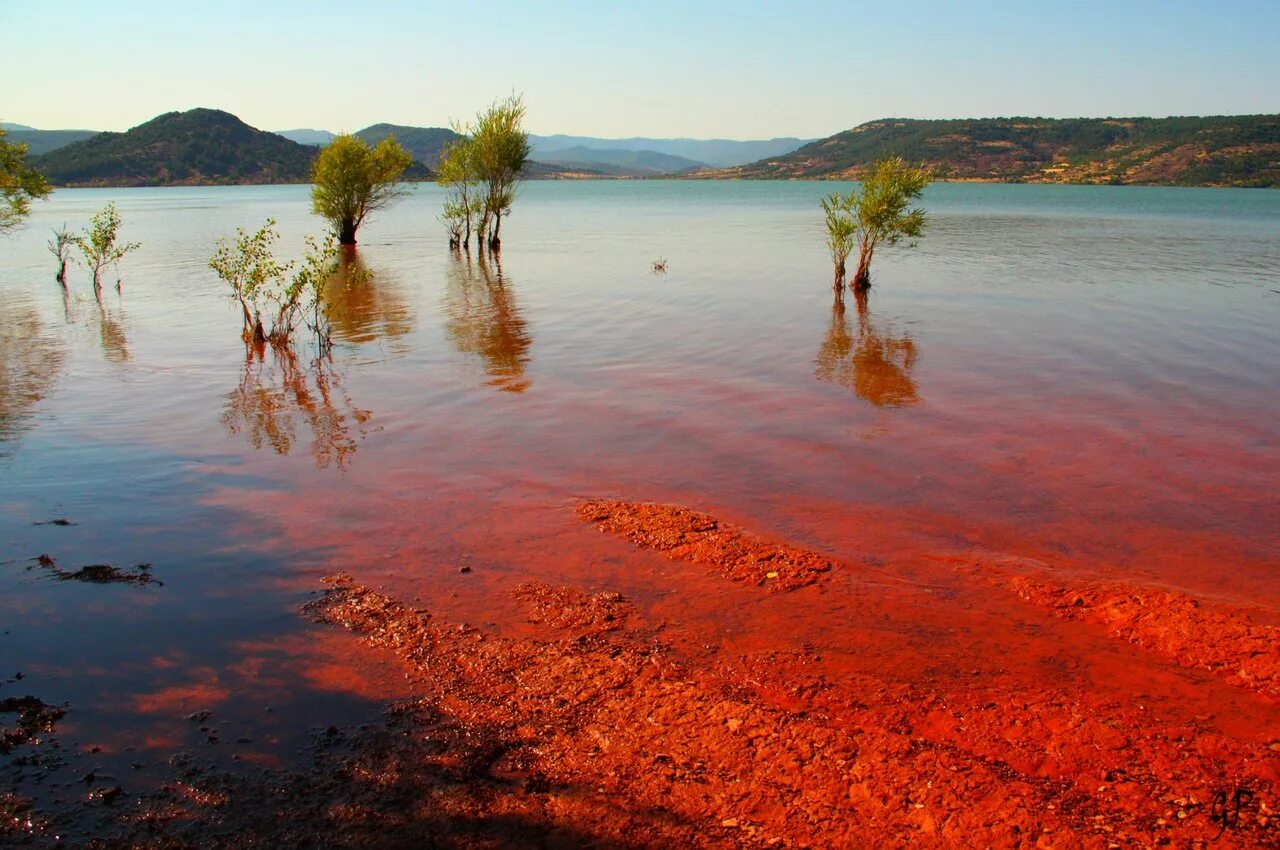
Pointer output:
685, 535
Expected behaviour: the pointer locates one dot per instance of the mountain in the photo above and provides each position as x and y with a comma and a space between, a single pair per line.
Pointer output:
716, 152
425, 143
631, 163
307, 137
1242, 150
43, 141
197, 147
5, 125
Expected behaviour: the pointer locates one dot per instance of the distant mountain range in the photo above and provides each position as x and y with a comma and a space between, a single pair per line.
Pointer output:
207, 146
1241, 150
307, 137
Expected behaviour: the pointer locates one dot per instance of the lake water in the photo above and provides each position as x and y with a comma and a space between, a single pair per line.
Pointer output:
1082, 376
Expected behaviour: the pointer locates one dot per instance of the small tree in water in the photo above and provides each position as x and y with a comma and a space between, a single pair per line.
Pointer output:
352, 180
499, 149
60, 246
261, 285
463, 204
876, 214
99, 246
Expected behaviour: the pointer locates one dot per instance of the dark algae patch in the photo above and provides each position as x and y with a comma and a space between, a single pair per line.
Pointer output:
99, 573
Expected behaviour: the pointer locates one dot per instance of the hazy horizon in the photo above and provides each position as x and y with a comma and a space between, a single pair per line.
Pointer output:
688, 70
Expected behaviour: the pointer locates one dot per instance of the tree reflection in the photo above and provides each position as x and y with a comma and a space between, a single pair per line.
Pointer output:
277, 393
874, 364
364, 305
29, 363
485, 320
111, 335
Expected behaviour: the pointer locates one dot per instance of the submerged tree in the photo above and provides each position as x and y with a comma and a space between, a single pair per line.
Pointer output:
60, 246
499, 151
877, 213
458, 174
19, 184
286, 293
352, 180
99, 246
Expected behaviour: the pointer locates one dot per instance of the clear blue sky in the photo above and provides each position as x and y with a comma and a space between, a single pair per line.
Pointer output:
737, 70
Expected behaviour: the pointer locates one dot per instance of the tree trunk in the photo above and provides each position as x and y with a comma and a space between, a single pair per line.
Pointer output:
495, 241
62, 273
347, 233
838, 283
862, 277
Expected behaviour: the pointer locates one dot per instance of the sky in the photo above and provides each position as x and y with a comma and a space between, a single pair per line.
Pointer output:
659, 69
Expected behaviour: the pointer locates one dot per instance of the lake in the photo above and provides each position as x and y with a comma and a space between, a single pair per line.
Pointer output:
1082, 378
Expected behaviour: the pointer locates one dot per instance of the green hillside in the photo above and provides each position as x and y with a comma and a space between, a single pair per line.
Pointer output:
425, 143
43, 141
197, 147
1211, 151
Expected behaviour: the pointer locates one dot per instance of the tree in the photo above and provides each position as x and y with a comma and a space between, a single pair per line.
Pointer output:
98, 244
877, 213
352, 180
18, 185
500, 150
841, 233
60, 246
458, 174
262, 285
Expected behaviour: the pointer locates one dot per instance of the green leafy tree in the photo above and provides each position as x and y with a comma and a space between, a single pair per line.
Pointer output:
463, 204
19, 184
352, 180
877, 213
99, 244
500, 150
286, 293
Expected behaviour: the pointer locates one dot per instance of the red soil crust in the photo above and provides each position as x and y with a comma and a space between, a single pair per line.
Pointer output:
686, 535
1193, 633
771, 751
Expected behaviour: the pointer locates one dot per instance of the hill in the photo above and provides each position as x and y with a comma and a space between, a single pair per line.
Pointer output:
620, 162
715, 152
1211, 151
307, 137
197, 147
43, 141
425, 143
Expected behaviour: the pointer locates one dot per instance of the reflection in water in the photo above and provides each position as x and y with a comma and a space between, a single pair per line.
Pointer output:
115, 345
276, 393
484, 320
29, 363
875, 365
364, 305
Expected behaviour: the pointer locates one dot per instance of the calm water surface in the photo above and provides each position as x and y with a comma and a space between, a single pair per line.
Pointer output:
1085, 376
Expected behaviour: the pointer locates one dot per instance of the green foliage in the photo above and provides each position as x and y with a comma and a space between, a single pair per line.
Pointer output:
463, 204
878, 212
286, 292
19, 184
197, 147
352, 180
98, 243
842, 232
499, 151
1241, 150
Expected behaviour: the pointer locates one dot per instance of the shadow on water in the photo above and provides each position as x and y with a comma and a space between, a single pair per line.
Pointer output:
872, 362
277, 393
365, 305
484, 320
30, 361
